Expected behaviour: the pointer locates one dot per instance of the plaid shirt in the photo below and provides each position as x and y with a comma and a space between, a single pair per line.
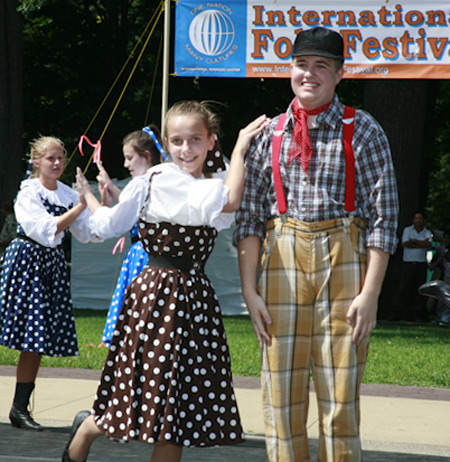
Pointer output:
321, 195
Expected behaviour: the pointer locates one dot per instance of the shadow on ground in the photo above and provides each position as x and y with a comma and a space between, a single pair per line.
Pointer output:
47, 446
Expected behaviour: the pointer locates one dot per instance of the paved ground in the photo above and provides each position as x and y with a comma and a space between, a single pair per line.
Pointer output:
399, 424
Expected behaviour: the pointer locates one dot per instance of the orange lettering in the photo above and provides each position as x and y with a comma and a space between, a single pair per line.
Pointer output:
405, 40
367, 18
371, 48
432, 18
310, 18
326, 17
349, 37
343, 15
390, 48
293, 13
398, 16
258, 15
438, 49
421, 42
260, 41
276, 18
414, 18
283, 43
383, 13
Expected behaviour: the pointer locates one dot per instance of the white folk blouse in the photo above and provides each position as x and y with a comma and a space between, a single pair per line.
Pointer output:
38, 223
179, 198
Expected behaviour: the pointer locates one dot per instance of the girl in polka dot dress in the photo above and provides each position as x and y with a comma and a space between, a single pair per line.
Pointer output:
141, 150
167, 378
36, 315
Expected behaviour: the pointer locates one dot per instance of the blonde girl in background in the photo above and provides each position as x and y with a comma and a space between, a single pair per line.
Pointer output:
36, 315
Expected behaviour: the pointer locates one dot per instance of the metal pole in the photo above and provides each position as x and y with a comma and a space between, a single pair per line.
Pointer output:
166, 56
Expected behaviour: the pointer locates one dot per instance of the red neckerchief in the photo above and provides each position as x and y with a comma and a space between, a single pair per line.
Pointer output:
301, 142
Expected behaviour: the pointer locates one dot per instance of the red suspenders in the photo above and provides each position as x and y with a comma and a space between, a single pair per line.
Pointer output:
276, 149
348, 123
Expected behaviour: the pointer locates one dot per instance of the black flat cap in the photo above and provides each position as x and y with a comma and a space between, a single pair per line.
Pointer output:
319, 41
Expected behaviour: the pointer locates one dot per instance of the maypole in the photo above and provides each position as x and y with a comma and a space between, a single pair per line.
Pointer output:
166, 55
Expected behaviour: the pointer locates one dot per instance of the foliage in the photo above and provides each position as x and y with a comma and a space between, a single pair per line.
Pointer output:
73, 52
400, 354
439, 198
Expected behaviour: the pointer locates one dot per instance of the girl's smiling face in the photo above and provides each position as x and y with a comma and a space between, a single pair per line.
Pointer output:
188, 142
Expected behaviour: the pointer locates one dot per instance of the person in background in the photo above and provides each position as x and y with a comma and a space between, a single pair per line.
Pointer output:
167, 377
416, 240
36, 315
141, 150
325, 249
440, 263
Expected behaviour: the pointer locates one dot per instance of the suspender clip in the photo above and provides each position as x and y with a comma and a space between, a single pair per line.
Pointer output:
283, 218
347, 221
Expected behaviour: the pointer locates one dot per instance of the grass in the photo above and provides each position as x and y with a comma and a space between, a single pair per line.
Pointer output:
400, 354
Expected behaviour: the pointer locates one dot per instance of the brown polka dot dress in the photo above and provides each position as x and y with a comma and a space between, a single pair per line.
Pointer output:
167, 376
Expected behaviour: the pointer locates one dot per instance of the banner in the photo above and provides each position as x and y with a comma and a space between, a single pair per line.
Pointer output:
250, 38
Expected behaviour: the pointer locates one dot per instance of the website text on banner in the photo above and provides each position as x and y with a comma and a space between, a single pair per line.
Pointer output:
383, 39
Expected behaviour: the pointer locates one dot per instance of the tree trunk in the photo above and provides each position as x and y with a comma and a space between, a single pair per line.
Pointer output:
11, 99
401, 107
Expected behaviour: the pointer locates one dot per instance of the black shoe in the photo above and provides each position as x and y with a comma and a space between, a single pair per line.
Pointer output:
23, 419
77, 421
436, 289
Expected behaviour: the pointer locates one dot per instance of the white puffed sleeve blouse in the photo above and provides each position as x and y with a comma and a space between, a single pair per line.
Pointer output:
177, 197
38, 224
109, 222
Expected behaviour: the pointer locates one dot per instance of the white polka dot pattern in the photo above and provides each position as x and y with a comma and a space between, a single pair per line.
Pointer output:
167, 376
35, 303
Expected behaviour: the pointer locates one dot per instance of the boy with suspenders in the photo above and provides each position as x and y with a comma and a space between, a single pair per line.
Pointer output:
317, 222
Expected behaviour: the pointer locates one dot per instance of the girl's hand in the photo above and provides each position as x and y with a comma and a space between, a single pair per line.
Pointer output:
102, 177
83, 187
82, 200
105, 195
247, 133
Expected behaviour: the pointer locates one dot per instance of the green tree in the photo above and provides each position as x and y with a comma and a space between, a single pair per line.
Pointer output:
73, 52
438, 201
11, 111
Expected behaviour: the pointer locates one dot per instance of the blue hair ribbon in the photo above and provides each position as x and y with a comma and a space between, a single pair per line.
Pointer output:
149, 131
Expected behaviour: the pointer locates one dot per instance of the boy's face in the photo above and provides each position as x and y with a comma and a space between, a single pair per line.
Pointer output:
314, 80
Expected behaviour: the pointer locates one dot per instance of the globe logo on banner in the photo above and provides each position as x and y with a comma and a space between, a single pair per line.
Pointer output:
211, 33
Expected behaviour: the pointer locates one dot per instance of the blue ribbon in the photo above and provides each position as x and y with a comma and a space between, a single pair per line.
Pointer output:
149, 131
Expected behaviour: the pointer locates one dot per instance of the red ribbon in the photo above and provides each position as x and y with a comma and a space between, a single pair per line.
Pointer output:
97, 147
120, 243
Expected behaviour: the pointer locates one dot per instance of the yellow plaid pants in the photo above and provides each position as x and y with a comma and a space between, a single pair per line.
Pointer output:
310, 273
